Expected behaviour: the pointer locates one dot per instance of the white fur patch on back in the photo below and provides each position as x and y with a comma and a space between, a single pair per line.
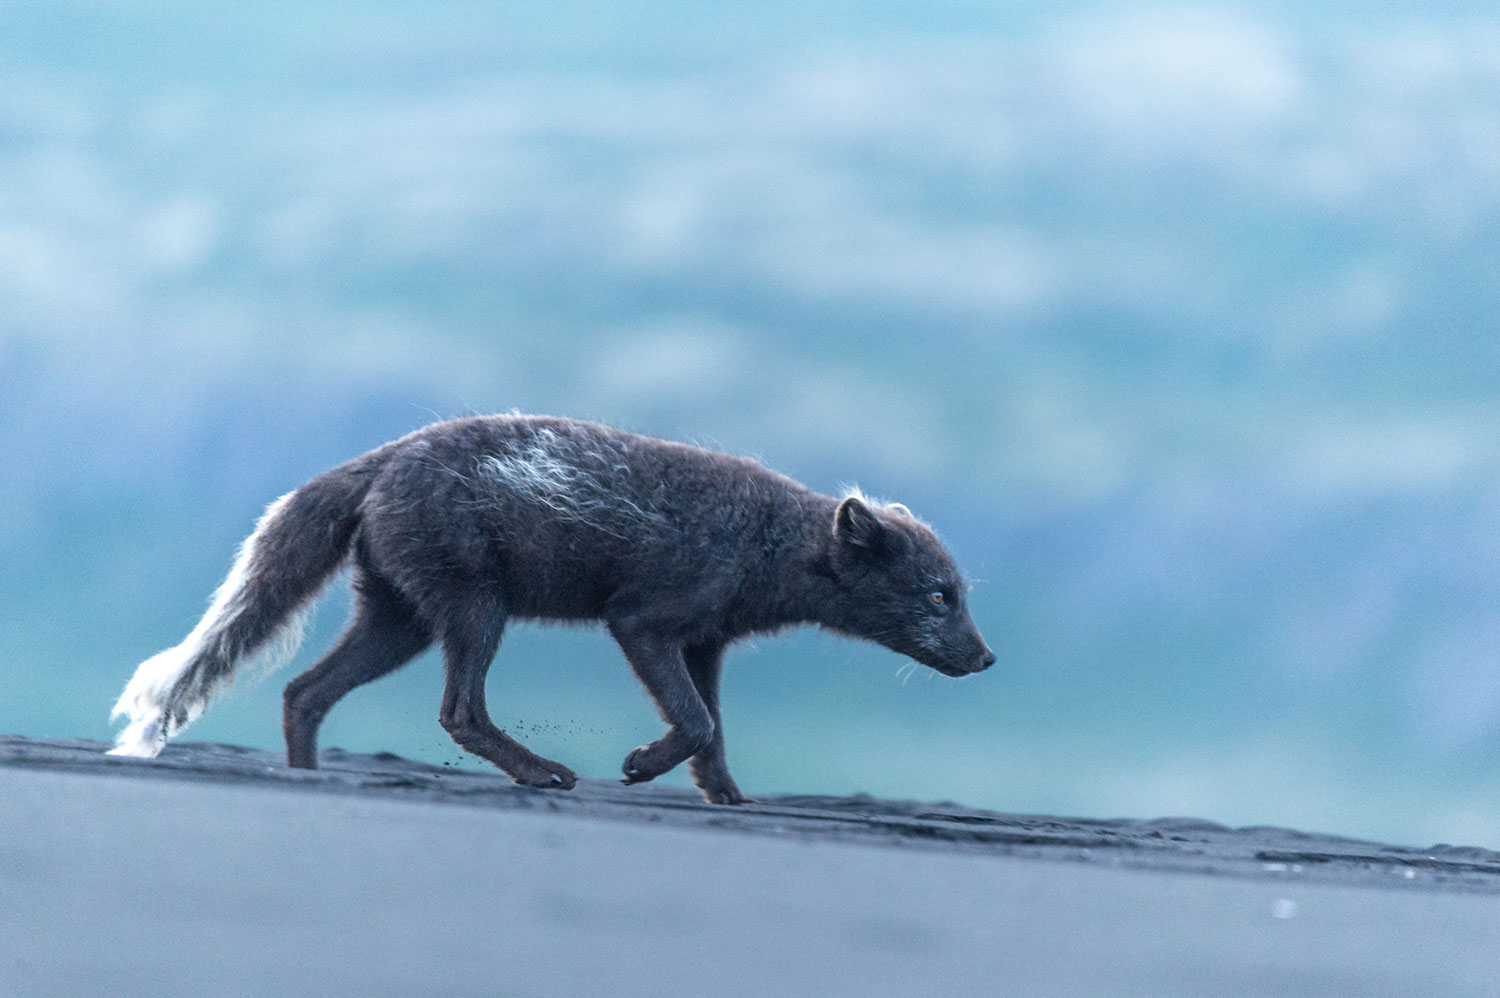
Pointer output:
553, 471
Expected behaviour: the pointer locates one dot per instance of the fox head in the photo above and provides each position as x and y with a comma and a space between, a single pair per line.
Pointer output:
898, 586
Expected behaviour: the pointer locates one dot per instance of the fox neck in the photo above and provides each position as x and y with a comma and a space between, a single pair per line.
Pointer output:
806, 587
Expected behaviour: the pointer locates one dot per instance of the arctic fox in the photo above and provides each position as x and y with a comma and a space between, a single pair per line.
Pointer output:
462, 526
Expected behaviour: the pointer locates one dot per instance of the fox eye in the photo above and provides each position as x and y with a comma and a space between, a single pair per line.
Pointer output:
936, 596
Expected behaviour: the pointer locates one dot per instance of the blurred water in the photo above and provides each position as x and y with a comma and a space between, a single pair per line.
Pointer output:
1178, 322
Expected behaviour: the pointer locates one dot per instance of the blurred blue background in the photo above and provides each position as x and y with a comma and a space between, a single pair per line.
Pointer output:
1177, 322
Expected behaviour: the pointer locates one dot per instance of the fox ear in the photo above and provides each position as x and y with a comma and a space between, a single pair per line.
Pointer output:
855, 523
900, 507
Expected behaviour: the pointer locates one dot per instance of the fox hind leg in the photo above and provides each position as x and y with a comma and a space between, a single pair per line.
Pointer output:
385, 634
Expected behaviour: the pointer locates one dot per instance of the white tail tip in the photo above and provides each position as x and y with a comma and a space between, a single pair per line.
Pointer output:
144, 738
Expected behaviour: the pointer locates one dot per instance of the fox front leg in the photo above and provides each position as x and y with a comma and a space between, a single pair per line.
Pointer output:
659, 664
709, 768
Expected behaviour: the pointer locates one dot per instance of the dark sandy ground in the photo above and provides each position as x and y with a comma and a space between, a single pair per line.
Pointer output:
215, 870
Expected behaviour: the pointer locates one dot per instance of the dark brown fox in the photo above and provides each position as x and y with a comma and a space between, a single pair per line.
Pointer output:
460, 527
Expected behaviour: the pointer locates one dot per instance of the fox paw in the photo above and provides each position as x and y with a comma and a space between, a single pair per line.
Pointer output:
720, 789
713, 779
641, 765
546, 775
726, 795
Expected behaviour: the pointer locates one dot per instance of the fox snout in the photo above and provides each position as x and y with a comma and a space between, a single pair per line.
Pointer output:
963, 664
980, 655
985, 659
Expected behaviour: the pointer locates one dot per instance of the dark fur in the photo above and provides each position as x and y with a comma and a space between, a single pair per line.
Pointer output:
464, 526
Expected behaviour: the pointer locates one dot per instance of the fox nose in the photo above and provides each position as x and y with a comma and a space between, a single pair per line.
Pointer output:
987, 660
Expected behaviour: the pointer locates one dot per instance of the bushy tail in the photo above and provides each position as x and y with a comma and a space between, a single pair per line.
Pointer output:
257, 614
